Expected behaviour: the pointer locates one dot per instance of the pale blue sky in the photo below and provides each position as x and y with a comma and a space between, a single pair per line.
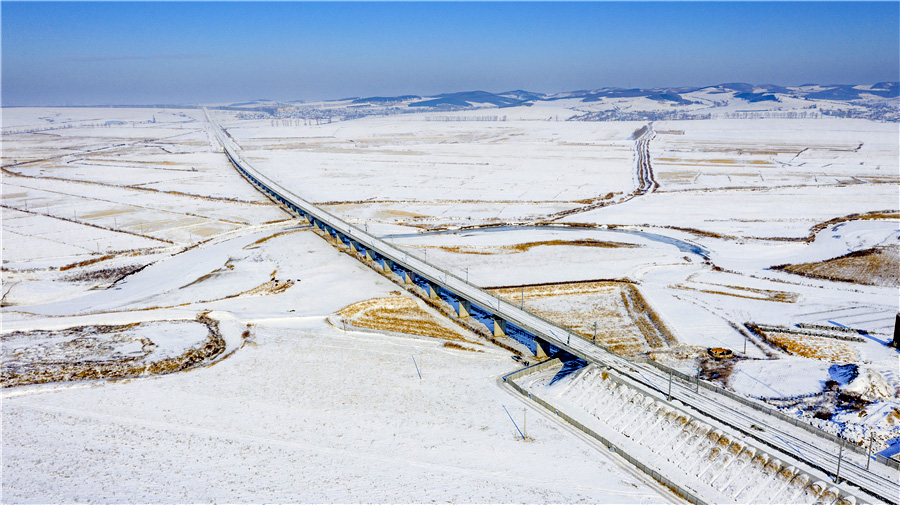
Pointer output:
176, 52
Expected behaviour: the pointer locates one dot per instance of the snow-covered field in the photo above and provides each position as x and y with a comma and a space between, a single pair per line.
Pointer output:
123, 216
292, 408
735, 198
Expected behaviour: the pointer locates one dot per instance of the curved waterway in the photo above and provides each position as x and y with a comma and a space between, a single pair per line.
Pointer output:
682, 245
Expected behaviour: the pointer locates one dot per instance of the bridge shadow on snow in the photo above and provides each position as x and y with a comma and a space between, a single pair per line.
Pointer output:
571, 364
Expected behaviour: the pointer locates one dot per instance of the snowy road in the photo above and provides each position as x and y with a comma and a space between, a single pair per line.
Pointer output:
793, 442
646, 181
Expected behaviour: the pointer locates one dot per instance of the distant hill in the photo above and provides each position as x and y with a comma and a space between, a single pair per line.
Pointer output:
472, 98
382, 100
682, 96
735, 100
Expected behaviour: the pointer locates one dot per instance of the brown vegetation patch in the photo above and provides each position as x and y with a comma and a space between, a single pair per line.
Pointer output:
811, 346
893, 417
399, 314
625, 324
272, 287
745, 292
654, 330
107, 213
877, 214
588, 201
877, 266
716, 370
103, 274
270, 237
454, 345
400, 213
94, 359
519, 248
86, 262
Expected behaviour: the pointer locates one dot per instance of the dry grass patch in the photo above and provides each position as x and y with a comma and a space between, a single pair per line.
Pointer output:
272, 287
878, 266
625, 323
810, 346
389, 213
274, 235
454, 345
97, 352
402, 315
526, 246
86, 262
744, 292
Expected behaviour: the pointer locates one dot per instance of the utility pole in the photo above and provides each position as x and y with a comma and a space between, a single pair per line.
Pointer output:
869, 449
669, 394
595, 332
837, 474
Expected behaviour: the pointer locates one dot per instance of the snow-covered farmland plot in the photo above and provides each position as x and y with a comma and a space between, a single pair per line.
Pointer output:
433, 172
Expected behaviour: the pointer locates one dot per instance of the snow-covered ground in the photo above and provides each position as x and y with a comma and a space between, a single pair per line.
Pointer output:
142, 219
295, 410
302, 412
736, 197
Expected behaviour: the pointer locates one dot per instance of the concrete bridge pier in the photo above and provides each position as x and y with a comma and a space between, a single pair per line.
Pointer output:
407, 277
463, 308
499, 327
541, 348
433, 291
